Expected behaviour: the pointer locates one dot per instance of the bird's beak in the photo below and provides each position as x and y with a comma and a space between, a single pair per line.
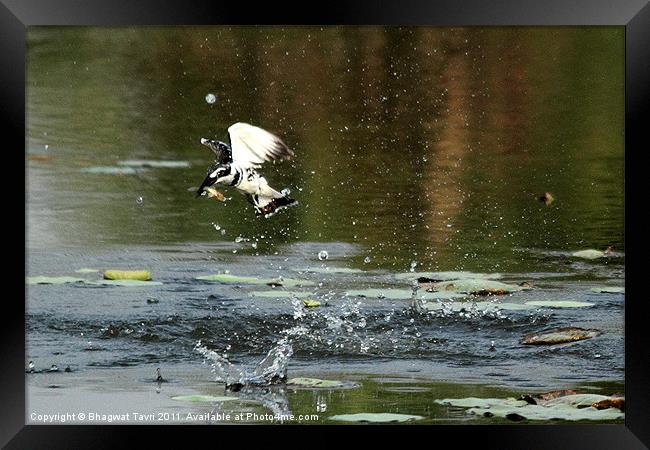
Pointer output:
204, 141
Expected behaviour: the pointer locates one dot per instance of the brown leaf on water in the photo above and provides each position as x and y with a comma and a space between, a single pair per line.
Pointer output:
40, 157
559, 336
555, 394
614, 402
534, 399
547, 198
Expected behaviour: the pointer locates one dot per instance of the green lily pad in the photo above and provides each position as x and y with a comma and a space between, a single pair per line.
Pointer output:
281, 294
203, 398
317, 383
84, 270
576, 400
341, 270
154, 163
478, 306
476, 286
559, 336
609, 290
234, 279
445, 276
376, 417
53, 280
111, 170
556, 412
141, 275
559, 304
401, 294
127, 283
310, 303
474, 402
588, 254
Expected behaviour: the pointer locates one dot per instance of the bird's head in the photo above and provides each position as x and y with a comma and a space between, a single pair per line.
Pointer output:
220, 149
218, 172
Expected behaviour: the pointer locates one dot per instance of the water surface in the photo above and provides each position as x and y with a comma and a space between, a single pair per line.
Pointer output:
423, 146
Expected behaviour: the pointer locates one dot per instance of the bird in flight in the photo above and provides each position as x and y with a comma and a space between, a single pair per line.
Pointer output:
235, 165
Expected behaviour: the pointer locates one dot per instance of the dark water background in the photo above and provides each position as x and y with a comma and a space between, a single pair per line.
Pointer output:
412, 144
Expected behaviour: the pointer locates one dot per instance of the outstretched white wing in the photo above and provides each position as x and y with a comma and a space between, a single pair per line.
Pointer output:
252, 146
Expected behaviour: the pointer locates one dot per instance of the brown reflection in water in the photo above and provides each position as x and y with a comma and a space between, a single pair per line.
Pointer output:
442, 181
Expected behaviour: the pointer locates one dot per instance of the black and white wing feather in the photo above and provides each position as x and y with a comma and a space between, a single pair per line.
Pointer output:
253, 146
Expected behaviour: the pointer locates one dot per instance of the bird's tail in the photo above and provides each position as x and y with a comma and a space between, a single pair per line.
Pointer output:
267, 206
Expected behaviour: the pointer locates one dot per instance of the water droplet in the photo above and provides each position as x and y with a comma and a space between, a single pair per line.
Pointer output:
413, 264
366, 260
139, 200
239, 239
210, 98
323, 255
286, 192
46, 146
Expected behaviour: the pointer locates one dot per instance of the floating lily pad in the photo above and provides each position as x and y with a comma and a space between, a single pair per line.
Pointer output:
154, 163
85, 270
557, 412
474, 402
588, 254
108, 170
281, 294
407, 389
609, 290
559, 304
445, 276
141, 275
127, 283
317, 383
310, 303
33, 157
399, 294
376, 417
53, 280
559, 336
576, 400
234, 279
202, 398
477, 306
476, 286
341, 270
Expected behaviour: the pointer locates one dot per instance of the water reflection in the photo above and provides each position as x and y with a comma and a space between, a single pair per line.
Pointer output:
420, 143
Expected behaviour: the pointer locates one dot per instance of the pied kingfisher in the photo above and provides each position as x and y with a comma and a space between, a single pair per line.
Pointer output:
235, 166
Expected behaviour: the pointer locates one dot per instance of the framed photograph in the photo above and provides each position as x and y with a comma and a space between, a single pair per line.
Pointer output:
369, 216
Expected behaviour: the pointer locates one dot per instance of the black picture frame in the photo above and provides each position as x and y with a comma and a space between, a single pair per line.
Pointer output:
634, 15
